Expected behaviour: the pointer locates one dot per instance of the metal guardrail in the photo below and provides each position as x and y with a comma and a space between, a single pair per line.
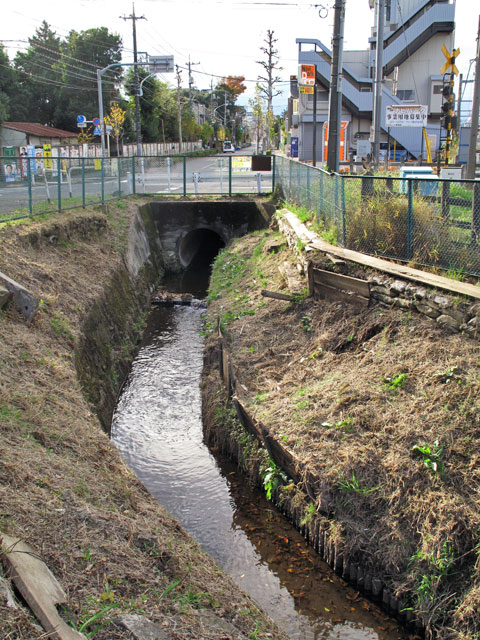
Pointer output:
38, 185
426, 221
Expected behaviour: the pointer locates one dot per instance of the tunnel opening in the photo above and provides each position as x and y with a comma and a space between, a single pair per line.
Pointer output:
198, 248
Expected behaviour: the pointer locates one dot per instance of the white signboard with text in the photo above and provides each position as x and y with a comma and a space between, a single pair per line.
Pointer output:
406, 115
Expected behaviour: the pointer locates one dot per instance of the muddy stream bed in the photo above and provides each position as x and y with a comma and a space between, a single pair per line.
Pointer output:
157, 427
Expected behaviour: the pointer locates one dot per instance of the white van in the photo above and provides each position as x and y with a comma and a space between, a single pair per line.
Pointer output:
228, 147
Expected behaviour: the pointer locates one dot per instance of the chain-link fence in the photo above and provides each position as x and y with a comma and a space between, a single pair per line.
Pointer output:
38, 185
422, 220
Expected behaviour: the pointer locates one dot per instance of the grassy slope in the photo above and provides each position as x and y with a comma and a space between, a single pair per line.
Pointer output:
63, 486
352, 395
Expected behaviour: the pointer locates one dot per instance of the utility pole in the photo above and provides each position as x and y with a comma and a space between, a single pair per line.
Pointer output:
190, 82
472, 149
377, 107
179, 107
335, 100
138, 128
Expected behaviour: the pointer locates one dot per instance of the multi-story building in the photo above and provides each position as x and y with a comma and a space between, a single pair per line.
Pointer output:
414, 33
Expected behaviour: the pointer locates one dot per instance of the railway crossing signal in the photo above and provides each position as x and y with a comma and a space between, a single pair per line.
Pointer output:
450, 62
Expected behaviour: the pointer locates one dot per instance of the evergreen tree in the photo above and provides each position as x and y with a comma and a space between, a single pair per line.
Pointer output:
81, 55
39, 78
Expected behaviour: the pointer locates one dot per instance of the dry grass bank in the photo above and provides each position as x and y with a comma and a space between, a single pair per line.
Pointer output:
63, 487
383, 406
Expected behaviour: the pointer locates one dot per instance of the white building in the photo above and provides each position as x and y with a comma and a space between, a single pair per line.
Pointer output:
415, 31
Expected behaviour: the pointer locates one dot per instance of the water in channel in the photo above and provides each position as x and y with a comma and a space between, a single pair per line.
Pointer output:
157, 427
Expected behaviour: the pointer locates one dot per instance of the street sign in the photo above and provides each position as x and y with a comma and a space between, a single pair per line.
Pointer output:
82, 125
96, 122
160, 64
450, 63
97, 131
406, 116
306, 89
80, 120
108, 128
307, 75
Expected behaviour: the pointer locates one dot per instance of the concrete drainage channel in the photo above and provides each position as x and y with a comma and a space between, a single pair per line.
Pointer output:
158, 428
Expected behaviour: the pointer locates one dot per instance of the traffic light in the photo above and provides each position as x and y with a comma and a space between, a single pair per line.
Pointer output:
447, 118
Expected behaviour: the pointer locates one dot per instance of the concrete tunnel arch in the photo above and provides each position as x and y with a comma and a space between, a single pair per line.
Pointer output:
199, 245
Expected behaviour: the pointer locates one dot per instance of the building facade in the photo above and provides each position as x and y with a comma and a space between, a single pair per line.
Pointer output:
414, 33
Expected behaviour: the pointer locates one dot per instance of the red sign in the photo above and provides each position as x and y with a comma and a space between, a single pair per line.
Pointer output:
307, 74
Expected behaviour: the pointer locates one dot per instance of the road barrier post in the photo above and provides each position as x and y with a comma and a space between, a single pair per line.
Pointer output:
230, 175
83, 183
134, 186
102, 171
59, 184
29, 180
184, 175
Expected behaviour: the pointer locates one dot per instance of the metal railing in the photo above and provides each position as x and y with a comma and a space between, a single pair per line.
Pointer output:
39, 185
421, 220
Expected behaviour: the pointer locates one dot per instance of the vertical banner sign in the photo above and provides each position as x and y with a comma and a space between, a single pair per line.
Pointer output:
307, 75
47, 156
343, 137
31, 155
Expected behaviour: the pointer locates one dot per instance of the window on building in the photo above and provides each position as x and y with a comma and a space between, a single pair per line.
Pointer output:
437, 89
406, 95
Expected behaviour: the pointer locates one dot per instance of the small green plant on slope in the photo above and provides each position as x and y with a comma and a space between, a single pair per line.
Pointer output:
430, 572
431, 456
306, 321
271, 477
353, 486
309, 511
396, 382
96, 615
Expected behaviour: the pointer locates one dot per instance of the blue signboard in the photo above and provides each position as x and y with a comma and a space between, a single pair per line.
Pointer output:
294, 147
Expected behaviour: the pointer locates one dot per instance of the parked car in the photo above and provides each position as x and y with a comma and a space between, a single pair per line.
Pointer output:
228, 147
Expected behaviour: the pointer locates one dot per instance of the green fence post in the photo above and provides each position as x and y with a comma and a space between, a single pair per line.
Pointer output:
83, 183
102, 169
410, 221
321, 190
29, 180
184, 175
59, 184
229, 175
309, 203
134, 187
290, 170
344, 220
119, 176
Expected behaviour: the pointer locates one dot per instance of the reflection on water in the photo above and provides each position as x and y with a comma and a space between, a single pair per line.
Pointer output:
157, 427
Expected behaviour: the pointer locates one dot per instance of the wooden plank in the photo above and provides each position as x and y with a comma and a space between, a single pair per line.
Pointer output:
339, 281
397, 270
334, 259
337, 295
38, 587
400, 270
275, 295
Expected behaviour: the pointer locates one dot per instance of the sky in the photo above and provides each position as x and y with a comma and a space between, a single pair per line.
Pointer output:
218, 37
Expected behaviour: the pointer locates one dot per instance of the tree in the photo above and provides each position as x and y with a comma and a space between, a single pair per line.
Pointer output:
116, 119
230, 87
257, 103
81, 55
8, 83
207, 134
39, 78
270, 65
